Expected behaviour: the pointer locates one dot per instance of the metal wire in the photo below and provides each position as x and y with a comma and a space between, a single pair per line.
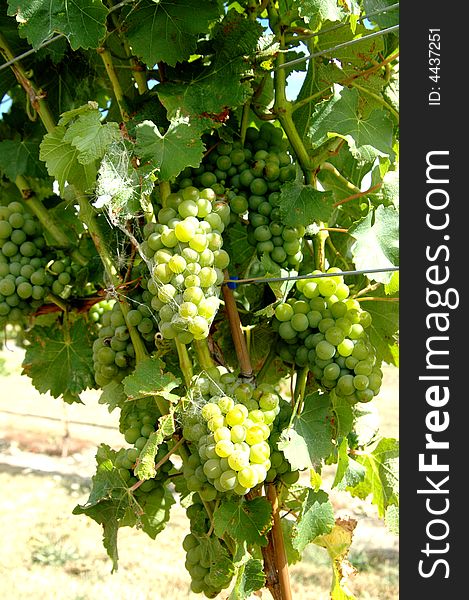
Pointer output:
31, 51
343, 45
308, 276
389, 8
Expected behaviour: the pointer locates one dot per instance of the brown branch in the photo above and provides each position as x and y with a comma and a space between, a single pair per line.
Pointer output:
236, 331
279, 552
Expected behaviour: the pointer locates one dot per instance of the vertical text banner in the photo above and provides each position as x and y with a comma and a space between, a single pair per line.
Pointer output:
434, 331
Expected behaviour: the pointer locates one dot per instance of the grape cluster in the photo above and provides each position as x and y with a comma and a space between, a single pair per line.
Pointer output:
205, 577
113, 351
231, 437
251, 177
185, 251
321, 327
24, 280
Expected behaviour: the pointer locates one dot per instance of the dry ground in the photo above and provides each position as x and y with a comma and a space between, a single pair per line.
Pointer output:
46, 553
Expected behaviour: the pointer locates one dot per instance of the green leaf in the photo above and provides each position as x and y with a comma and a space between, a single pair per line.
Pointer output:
149, 379
339, 116
91, 137
316, 11
293, 554
113, 395
317, 518
167, 31
245, 520
391, 518
344, 415
384, 326
251, 577
59, 360
381, 479
62, 162
155, 507
377, 242
21, 157
178, 148
145, 468
83, 22
383, 19
349, 472
337, 543
239, 247
272, 269
113, 505
302, 204
310, 440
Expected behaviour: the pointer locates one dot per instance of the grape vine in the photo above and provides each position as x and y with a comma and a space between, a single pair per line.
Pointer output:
150, 159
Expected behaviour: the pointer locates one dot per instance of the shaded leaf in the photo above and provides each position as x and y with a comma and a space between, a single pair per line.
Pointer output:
317, 518
21, 157
245, 520
59, 360
302, 204
83, 22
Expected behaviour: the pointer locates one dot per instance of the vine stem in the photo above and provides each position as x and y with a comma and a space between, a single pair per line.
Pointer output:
46, 220
280, 555
203, 354
35, 96
184, 362
299, 392
239, 340
320, 254
372, 189
116, 86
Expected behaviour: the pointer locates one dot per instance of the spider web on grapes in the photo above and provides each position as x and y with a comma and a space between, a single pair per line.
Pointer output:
122, 192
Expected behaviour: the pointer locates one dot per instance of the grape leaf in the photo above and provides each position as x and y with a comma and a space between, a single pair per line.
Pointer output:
383, 19
310, 439
167, 31
302, 204
251, 577
384, 326
113, 395
149, 379
178, 148
83, 22
273, 269
315, 11
349, 472
338, 116
208, 93
377, 242
62, 161
381, 479
90, 137
238, 246
391, 518
112, 504
293, 554
145, 468
21, 157
337, 543
245, 520
343, 414
317, 518
59, 360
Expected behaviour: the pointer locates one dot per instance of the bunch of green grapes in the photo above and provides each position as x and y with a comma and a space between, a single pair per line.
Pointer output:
63, 272
231, 436
187, 258
205, 577
251, 176
113, 351
24, 280
321, 327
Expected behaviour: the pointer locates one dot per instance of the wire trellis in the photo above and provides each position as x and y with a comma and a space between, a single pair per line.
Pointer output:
233, 282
